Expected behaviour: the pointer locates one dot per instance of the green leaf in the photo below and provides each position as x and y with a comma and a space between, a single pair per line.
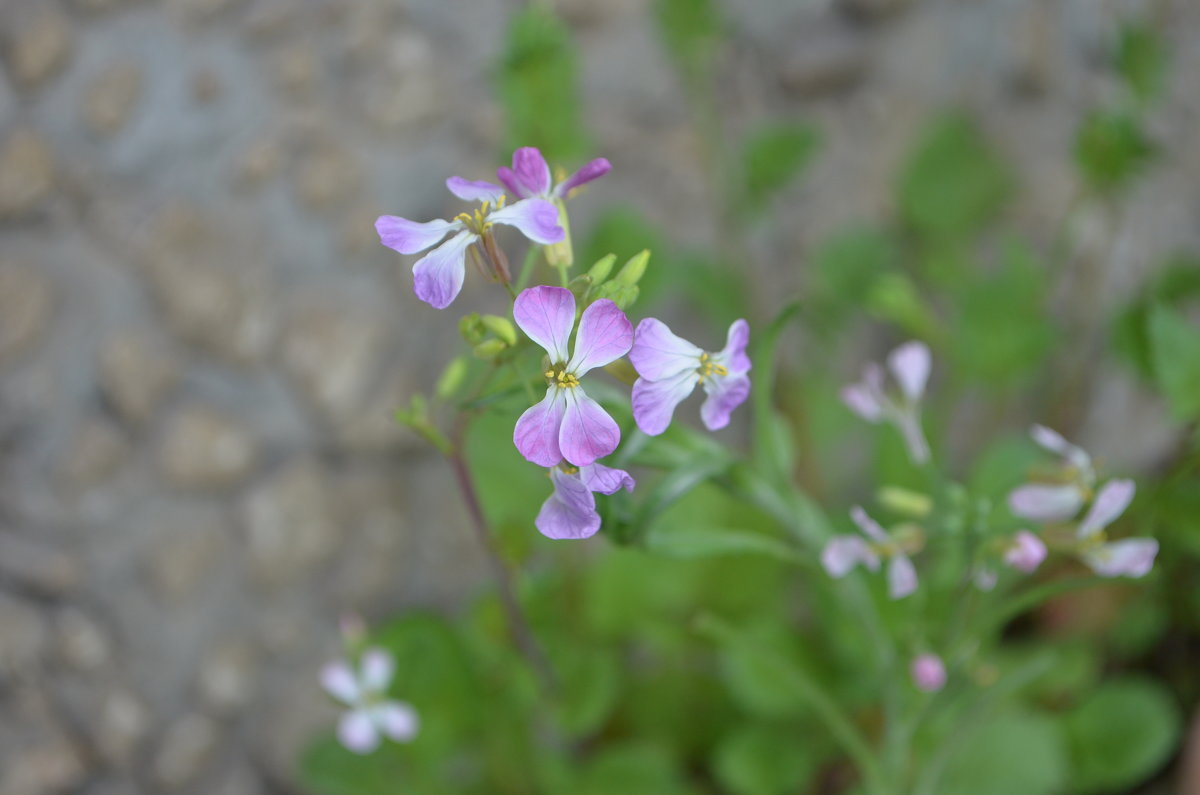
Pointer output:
1175, 351
679, 540
631, 769
690, 30
773, 157
1111, 150
764, 759
326, 768
772, 449
591, 685
1142, 60
845, 268
1013, 752
1177, 284
1122, 734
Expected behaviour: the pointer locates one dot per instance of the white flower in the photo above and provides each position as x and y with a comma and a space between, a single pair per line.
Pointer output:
371, 715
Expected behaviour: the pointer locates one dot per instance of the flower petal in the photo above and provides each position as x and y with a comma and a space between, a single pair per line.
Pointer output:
842, 553
510, 180
910, 364
606, 480
928, 673
547, 315
1026, 553
376, 669
1045, 503
531, 170
438, 276
863, 401
902, 577
870, 528
734, 353
657, 353
357, 733
587, 432
339, 681
570, 512
1132, 557
725, 393
654, 402
536, 433
396, 720
1110, 503
1054, 442
604, 336
410, 237
477, 191
536, 218
591, 170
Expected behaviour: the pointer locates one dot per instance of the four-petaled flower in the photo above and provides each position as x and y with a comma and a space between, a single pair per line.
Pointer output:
570, 511
530, 178
1130, 557
842, 553
371, 715
670, 368
438, 276
567, 424
1055, 502
910, 365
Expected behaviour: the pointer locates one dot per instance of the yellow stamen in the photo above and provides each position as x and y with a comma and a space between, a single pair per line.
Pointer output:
709, 368
558, 376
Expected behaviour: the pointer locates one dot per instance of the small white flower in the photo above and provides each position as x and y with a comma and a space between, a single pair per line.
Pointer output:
371, 715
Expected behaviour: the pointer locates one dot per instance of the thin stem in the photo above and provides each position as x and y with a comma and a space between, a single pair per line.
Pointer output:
531, 258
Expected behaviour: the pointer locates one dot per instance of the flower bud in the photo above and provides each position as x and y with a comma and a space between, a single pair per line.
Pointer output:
634, 270
603, 267
928, 673
502, 327
490, 349
903, 501
452, 378
471, 328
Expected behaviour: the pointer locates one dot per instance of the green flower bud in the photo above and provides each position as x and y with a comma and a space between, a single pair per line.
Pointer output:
502, 327
905, 502
471, 328
635, 269
599, 272
452, 378
490, 349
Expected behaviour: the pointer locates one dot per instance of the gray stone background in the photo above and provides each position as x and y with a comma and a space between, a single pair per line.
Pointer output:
201, 341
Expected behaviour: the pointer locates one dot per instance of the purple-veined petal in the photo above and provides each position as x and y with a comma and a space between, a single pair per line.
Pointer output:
654, 402
547, 315
357, 732
842, 553
658, 353
910, 364
587, 432
591, 170
396, 720
1041, 502
1026, 553
1054, 442
725, 393
1131, 557
537, 219
928, 673
863, 401
376, 668
1110, 503
870, 528
339, 681
536, 434
531, 171
474, 191
604, 336
510, 180
734, 354
606, 480
438, 276
902, 577
411, 237
570, 512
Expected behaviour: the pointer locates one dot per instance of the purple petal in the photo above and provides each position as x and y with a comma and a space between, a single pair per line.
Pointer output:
537, 219
734, 353
376, 669
1026, 553
587, 432
479, 191
438, 276
1045, 503
570, 512
863, 401
592, 170
356, 731
725, 393
658, 353
510, 180
928, 673
1053, 441
547, 315
1110, 503
606, 480
902, 577
654, 402
604, 336
870, 528
339, 681
536, 434
397, 720
1132, 557
531, 171
843, 553
910, 364
410, 237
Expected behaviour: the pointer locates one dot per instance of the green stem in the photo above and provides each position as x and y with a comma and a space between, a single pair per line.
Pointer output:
531, 258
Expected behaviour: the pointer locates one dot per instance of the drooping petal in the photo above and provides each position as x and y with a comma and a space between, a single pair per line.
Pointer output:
591, 170
376, 670
725, 393
870, 528
604, 336
902, 577
396, 720
587, 432
910, 364
1131, 557
657, 353
842, 553
1054, 442
928, 673
1026, 553
357, 732
410, 237
1110, 503
606, 480
1041, 502
474, 191
339, 681
654, 402
438, 276
547, 315
734, 353
531, 171
570, 512
537, 219
537, 431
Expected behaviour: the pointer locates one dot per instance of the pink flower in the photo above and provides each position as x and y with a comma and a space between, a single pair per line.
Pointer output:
1130, 557
670, 368
843, 553
371, 715
567, 424
910, 365
529, 176
570, 512
1055, 502
1026, 552
928, 673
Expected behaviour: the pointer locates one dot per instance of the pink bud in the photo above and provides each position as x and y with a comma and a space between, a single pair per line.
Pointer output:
928, 673
1026, 553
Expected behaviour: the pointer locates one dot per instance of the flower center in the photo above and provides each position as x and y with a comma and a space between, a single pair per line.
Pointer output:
478, 222
709, 368
558, 376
